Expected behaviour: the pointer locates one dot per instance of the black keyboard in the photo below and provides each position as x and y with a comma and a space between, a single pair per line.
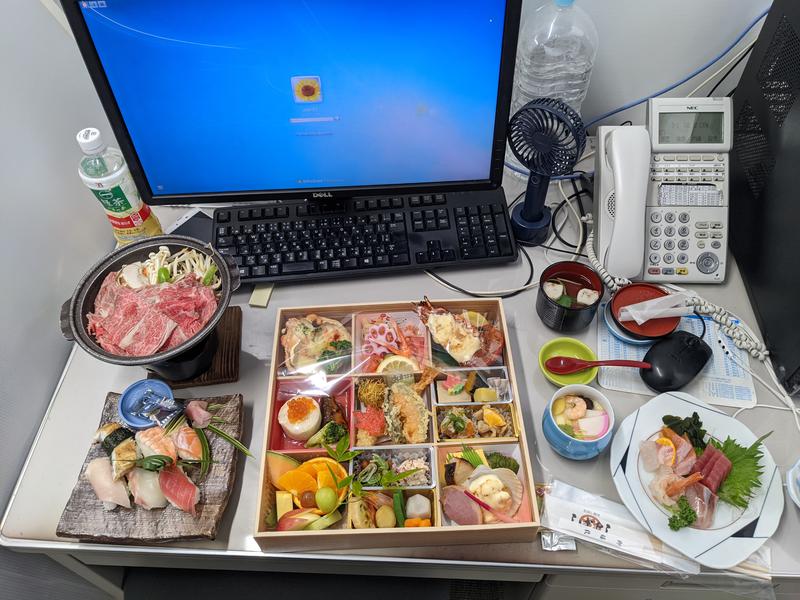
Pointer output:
292, 240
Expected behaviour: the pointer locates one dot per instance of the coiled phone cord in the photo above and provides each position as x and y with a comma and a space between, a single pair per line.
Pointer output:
734, 328
740, 334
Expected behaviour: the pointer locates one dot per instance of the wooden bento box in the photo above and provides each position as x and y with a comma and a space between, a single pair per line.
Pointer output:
350, 382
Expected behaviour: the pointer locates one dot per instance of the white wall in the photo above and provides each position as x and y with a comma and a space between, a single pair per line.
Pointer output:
51, 230
646, 45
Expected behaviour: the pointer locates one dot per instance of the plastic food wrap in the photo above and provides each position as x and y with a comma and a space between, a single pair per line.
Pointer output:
573, 513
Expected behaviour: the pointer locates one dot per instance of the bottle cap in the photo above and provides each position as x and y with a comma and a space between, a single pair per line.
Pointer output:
564, 3
90, 140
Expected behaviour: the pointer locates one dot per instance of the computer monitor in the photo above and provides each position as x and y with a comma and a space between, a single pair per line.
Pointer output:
242, 100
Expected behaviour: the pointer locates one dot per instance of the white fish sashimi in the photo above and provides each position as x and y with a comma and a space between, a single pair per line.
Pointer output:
648, 451
111, 493
146, 489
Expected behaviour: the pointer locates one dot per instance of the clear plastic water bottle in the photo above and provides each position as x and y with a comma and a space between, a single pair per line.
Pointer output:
104, 171
555, 54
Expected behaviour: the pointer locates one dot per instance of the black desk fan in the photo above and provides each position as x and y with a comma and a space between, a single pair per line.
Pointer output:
547, 137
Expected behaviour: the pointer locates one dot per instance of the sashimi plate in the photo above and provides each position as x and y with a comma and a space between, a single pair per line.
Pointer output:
735, 533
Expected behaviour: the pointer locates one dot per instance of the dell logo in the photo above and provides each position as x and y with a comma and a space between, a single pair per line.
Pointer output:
322, 195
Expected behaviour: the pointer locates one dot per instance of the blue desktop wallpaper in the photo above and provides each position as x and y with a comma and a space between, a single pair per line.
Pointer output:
236, 95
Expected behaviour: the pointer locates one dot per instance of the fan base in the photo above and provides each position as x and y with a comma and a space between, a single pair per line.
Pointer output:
533, 233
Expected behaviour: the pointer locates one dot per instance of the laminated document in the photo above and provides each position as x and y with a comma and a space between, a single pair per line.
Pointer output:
723, 381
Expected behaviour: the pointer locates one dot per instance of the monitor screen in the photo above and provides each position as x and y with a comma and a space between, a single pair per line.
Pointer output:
253, 95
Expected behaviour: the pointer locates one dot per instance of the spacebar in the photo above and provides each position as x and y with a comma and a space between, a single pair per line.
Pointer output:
297, 267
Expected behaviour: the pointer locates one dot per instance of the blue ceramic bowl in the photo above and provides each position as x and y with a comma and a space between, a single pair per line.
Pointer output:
568, 446
131, 396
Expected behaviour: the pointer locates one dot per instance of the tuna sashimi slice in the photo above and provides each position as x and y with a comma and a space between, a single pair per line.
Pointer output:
718, 474
179, 489
709, 453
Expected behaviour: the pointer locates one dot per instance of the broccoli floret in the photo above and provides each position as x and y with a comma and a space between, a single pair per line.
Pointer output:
338, 349
683, 516
329, 434
498, 461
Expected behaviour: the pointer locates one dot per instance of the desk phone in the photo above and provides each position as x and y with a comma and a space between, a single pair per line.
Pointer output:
661, 193
687, 197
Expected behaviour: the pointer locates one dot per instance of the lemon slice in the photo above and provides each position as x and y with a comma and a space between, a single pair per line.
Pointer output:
662, 441
477, 319
397, 364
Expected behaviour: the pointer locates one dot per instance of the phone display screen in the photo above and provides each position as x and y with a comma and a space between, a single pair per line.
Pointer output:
690, 128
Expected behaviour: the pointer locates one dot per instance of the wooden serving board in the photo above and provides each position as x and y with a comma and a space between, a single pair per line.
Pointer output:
85, 518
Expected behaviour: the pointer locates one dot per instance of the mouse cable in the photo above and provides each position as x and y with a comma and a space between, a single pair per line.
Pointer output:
782, 396
529, 284
493, 293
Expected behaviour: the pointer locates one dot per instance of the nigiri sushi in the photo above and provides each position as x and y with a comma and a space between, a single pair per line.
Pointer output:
155, 441
118, 443
146, 489
196, 411
187, 443
179, 489
111, 492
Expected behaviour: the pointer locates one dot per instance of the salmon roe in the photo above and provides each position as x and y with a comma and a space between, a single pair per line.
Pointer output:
299, 408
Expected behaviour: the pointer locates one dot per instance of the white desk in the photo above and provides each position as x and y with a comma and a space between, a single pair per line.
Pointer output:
57, 454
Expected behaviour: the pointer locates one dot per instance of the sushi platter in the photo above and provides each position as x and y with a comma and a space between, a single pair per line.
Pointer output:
99, 508
394, 424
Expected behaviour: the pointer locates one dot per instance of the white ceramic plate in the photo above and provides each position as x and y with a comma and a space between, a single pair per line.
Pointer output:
734, 534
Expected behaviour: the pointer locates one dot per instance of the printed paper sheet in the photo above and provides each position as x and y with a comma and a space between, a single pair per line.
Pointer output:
722, 382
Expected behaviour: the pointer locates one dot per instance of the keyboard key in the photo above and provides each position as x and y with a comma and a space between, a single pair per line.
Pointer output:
382, 260
244, 214
397, 228
259, 271
435, 255
415, 201
443, 223
250, 261
366, 261
422, 257
461, 211
335, 264
477, 252
427, 200
298, 267
274, 270
223, 216
397, 203
244, 271
505, 244
322, 265
399, 259
224, 241
282, 212
350, 263
492, 250
439, 199
269, 212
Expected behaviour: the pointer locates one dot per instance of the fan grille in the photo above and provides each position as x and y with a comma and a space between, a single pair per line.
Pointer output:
547, 136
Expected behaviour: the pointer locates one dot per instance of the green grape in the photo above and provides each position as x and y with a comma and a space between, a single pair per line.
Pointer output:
327, 500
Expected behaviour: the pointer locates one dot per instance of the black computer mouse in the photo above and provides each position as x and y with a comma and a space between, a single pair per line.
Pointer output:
675, 360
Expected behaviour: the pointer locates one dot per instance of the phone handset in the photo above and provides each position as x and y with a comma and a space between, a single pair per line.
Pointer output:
628, 157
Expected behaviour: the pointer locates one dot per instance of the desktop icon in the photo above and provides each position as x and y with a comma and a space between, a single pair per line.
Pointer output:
307, 89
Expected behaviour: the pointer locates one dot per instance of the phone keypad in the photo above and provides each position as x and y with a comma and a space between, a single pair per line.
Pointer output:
683, 244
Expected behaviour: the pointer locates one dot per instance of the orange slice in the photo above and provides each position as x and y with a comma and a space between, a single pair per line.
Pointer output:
297, 482
307, 468
324, 479
666, 442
